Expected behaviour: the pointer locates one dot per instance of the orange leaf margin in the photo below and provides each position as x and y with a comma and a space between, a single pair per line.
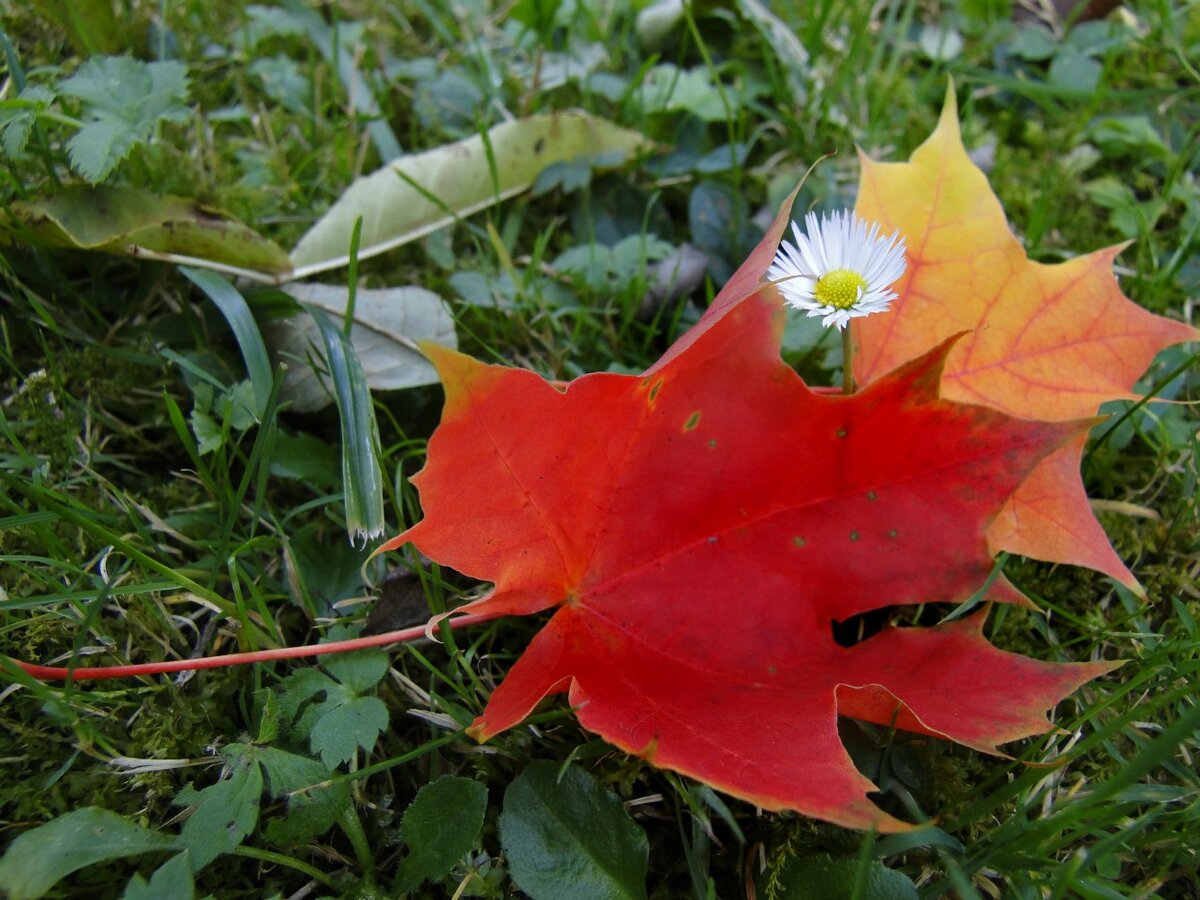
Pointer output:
1049, 342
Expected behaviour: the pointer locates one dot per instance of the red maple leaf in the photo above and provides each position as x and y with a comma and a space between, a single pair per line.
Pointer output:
701, 527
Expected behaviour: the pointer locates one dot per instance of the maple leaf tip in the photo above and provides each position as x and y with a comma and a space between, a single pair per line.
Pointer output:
394, 543
923, 374
949, 116
445, 359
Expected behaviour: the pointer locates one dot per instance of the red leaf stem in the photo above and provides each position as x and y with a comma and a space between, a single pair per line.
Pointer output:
63, 673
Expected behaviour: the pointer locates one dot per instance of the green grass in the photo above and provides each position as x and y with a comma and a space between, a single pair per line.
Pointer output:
121, 541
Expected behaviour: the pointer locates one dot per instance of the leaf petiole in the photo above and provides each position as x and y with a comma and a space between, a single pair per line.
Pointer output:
59, 673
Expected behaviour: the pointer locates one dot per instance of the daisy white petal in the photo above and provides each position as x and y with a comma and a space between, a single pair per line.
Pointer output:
840, 268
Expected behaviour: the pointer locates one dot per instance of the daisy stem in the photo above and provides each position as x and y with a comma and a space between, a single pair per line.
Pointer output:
847, 361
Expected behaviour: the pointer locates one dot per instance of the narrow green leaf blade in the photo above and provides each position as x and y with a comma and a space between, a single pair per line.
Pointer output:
362, 481
237, 313
419, 193
388, 325
38, 859
571, 839
440, 826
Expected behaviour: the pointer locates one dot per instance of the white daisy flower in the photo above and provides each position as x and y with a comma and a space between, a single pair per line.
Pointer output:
840, 269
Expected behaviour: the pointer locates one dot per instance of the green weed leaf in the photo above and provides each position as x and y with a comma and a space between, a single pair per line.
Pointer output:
209, 436
225, 812
569, 838
358, 671
346, 727
170, 881
667, 88
124, 99
18, 116
838, 879
329, 713
39, 858
310, 812
440, 826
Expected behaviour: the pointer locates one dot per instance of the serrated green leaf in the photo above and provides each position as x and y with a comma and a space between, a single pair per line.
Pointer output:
571, 839
136, 91
339, 733
208, 433
310, 813
440, 826
96, 148
18, 116
299, 708
225, 812
39, 858
170, 881
330, 714
124, 99
358, 671
263, 22
835, 879
238, 405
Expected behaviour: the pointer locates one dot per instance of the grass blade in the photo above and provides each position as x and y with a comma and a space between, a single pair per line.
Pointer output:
362, 480
241, 320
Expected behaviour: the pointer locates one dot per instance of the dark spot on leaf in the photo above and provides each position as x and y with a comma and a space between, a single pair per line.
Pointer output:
539, 146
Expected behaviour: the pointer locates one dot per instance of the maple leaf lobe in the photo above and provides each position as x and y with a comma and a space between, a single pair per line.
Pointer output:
1047, 342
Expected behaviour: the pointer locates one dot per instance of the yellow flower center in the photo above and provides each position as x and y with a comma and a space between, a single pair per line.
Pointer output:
840, 288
